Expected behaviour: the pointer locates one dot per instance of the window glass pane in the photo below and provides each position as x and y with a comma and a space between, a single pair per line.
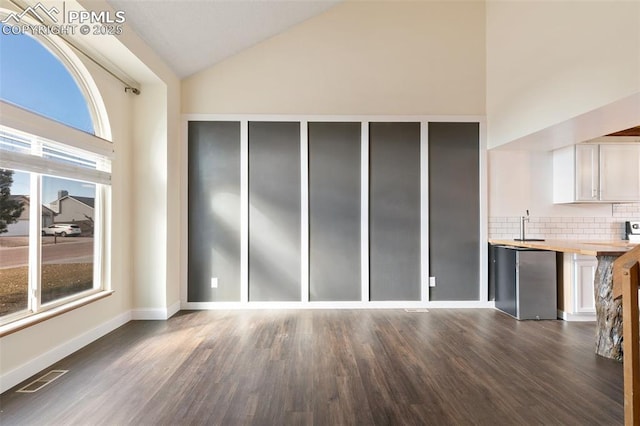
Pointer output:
67, 242
67, 156
11, 141
14, 241
34, 79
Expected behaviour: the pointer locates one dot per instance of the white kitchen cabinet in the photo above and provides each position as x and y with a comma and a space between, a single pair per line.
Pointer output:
620, 172
597, 172
579, 273
586, 172
584, 270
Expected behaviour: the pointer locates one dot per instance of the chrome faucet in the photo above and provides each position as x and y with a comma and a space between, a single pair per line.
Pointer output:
523, 220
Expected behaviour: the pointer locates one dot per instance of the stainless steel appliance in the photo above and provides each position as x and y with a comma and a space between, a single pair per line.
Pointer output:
632, 229
525, 282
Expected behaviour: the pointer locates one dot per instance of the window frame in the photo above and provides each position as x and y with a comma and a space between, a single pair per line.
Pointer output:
38, 167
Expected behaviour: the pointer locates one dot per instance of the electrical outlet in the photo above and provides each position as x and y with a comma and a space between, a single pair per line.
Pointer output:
432, 281
214, 282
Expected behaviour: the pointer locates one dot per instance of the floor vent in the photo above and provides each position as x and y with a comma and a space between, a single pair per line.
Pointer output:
414, 310
43, 381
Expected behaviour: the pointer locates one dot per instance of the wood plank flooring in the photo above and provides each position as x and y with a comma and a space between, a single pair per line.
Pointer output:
324, 367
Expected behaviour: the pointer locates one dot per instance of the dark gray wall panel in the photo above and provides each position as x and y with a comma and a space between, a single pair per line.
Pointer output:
394, 211
454, 221
214, 211
274, 211
334, 211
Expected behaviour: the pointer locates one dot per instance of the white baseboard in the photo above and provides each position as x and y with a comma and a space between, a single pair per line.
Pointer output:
19, 374
582, 317
473, 304
149, 314
155, 313
173, 309
463, 304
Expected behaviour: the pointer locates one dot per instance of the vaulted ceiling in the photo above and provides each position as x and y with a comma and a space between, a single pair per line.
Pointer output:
193, 35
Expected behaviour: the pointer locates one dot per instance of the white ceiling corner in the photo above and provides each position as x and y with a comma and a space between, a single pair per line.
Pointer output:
192, 35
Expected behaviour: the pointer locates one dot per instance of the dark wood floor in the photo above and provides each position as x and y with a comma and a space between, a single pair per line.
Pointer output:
372, 367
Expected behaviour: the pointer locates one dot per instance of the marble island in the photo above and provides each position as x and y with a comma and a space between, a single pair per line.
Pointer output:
608, 309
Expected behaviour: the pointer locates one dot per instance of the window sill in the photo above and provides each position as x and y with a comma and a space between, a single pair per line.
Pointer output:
34, 319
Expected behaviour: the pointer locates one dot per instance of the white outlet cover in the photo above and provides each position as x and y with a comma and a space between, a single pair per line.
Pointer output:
214, 282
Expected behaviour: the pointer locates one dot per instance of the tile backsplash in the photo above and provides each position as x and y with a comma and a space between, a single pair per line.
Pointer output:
568, 228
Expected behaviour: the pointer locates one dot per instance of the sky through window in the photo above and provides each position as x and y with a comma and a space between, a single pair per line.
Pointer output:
33, 78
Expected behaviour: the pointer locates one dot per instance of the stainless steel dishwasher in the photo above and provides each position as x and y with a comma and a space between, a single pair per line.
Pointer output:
525, 282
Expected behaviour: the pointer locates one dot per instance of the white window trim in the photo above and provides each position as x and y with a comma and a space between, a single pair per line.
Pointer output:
30, 163
34, 124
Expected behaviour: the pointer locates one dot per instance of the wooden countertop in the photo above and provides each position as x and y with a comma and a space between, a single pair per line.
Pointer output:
589, 248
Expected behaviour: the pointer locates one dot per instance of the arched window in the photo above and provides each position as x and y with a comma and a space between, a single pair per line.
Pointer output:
36, 80
54, 179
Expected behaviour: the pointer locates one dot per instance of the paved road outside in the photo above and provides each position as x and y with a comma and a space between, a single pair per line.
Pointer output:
67, 250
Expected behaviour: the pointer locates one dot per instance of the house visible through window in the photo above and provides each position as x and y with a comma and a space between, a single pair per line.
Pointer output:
52, 192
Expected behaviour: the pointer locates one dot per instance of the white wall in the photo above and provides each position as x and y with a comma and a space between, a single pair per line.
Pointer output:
558, 73
157, 176
391, 57
156, 201
149, 199
549, 62
176, 244
523, 180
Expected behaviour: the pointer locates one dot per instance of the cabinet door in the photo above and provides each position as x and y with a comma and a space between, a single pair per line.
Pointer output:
505, 280
586, 172
619, 172
584, 275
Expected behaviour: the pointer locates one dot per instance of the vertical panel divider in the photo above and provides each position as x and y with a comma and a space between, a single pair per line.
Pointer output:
35, 230
304, 211
484, 213
98, 235
35, 242
424, 211
364, 210
244, 211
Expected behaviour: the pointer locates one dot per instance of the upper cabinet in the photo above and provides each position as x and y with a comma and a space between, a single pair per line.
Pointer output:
597, 172
587, 186
620, 172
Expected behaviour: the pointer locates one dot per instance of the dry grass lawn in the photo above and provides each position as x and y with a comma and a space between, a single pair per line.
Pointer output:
58, 280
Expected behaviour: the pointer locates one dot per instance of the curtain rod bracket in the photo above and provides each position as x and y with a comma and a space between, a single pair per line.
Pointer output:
133, 90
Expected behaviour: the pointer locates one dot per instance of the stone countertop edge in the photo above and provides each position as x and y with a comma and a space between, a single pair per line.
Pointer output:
588, 248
